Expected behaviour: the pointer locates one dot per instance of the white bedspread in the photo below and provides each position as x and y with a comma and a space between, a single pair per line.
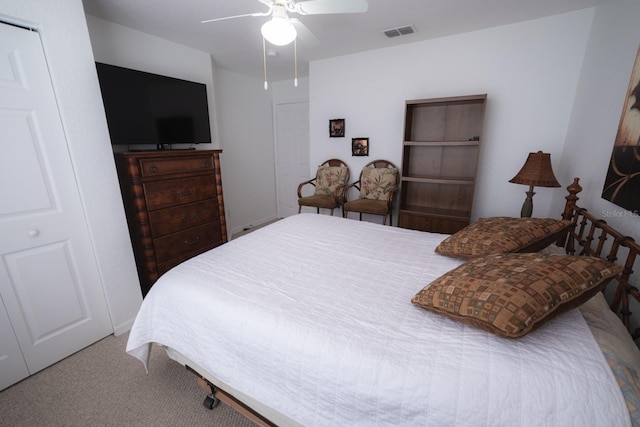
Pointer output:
312, 317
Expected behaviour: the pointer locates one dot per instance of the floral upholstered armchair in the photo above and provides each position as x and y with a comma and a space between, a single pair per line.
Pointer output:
377, 184
330, 182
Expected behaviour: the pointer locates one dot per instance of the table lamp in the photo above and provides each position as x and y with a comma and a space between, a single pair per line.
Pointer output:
536, 172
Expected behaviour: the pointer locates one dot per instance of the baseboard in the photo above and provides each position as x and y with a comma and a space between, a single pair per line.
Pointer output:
248, 228
123, 328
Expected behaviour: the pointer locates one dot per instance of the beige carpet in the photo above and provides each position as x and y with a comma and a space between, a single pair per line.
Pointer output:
103, 386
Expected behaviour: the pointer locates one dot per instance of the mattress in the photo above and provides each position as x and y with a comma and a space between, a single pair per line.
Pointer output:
311, 317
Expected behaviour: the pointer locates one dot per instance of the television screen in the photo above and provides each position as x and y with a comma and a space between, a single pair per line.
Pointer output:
146, 108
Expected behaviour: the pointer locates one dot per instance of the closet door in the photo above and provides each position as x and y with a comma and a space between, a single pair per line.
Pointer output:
49, 280
13, 368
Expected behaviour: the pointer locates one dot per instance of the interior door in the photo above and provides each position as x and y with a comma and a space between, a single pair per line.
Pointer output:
13, 368
49, 280
292, 150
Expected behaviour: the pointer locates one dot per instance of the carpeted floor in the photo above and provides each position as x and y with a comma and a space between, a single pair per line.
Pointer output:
103, 386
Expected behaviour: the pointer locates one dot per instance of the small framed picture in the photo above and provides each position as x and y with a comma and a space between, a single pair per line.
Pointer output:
336, 128
360, 146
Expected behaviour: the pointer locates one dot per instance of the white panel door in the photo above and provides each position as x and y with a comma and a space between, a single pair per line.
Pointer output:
49, 279
292, 146
13, 368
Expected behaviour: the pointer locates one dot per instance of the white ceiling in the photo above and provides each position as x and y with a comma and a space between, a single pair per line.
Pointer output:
236, 44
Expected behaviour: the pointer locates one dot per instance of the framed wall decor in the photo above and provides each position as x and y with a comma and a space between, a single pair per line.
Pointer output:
622, 184
336, 128
360, 146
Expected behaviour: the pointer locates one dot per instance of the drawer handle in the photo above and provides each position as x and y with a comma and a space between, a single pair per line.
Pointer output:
188, 218
205, 164
185, 193
153, 168
192, 242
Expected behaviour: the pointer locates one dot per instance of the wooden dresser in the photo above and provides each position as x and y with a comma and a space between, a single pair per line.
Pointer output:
174, 206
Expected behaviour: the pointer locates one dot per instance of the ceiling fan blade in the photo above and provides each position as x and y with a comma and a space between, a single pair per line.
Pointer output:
235, 16
316, 7
304, 34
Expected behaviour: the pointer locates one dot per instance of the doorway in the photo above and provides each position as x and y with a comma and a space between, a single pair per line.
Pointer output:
292, 154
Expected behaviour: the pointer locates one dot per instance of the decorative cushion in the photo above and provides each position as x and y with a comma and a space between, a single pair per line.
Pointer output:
376, 183
511, 295
328, 179
502, 235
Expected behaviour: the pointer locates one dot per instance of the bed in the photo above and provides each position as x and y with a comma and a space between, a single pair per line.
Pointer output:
313, 321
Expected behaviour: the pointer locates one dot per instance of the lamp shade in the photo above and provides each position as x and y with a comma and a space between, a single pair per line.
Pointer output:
536, 171
279, 31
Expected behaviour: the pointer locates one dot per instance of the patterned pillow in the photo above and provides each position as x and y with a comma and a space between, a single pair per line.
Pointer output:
376, 183
510, 295
501, 235
328, 179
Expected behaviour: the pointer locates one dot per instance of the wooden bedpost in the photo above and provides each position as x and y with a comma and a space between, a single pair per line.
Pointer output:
569, 207
572, 198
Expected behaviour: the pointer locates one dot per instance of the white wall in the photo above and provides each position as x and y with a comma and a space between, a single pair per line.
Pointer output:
246, 128
248, 163
285, 91
71, 65
529, 71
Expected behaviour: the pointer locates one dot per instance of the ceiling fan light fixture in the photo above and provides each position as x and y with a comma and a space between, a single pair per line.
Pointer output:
279, 31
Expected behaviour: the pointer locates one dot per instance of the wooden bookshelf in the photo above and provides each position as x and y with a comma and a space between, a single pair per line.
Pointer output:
441, 146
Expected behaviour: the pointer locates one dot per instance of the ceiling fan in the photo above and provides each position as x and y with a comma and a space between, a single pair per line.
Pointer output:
282, 30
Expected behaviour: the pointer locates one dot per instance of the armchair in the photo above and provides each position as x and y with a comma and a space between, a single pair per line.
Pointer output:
330, 180
377, 184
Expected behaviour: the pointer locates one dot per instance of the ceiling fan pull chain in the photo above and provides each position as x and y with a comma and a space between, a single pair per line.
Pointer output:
264, 61
295, 63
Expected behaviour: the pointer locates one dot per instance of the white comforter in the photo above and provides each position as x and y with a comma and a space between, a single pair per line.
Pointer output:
312, 317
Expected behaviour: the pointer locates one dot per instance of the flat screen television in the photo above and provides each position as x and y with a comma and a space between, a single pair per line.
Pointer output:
146, 108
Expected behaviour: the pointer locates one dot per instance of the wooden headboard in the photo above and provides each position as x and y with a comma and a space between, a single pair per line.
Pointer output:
592, 236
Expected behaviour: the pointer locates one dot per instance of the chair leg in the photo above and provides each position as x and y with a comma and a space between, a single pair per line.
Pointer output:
318, 210
299, 208
360, 216
331, 212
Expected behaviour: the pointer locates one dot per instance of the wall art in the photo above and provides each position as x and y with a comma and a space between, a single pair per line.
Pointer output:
360, 146
336, 128
622, 184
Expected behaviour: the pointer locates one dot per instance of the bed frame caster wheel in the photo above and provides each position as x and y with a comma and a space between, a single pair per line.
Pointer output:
211, 401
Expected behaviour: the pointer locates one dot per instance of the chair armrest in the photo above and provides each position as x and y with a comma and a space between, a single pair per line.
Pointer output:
340, 193
390, 194
355, 184
302, 184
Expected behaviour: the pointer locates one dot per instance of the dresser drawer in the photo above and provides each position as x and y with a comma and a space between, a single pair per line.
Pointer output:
168, 265
182, 242
170, 220
159, 166
164, 194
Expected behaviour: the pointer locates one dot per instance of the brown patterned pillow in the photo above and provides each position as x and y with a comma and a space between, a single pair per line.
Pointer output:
329, 178
376, 183
511, 295
502, 235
